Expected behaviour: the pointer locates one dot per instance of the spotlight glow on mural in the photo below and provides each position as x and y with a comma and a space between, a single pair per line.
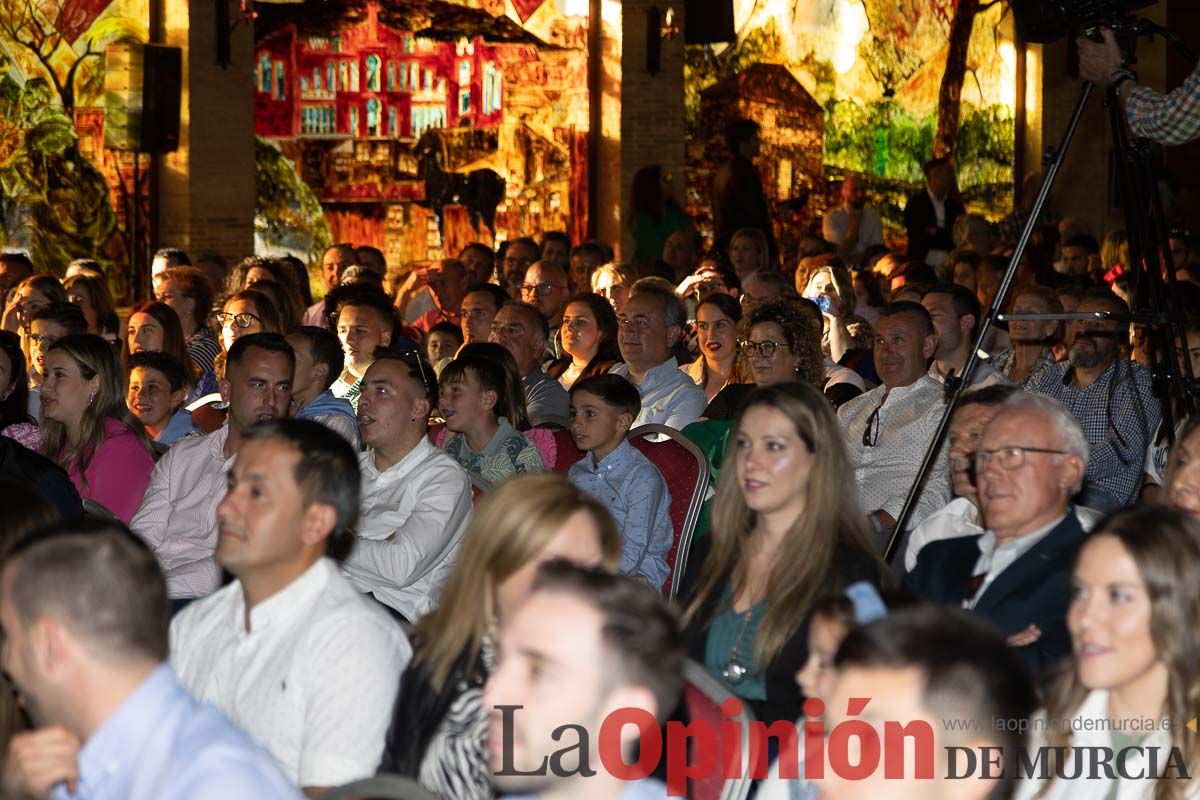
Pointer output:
850, 24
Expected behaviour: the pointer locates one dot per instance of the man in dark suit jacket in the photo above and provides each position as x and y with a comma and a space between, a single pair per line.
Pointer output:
926, 230
1017, 574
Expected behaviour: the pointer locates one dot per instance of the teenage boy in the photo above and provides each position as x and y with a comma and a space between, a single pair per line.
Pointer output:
603, 408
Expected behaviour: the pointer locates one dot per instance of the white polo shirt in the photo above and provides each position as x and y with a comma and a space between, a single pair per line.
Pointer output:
313, 680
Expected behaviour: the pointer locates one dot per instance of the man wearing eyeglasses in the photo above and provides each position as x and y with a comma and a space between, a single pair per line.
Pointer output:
1029, 462
889, 428
546, 287
519, 256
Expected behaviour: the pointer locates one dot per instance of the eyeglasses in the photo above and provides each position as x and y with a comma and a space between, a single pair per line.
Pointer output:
871, 432
765, 349
1009, 457
242, 320
542, 289
44, 340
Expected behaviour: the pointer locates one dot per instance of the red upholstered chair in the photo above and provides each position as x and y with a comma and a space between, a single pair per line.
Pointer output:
703, 694
685, 468
206, 413
432, 433
568, 453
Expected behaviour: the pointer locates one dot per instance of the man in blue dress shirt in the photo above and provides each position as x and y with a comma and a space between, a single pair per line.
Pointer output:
84, 611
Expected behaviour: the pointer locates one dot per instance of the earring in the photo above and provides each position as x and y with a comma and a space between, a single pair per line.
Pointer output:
91, 397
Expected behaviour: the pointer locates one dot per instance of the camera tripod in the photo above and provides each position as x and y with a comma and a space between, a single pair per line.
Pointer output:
1153, 301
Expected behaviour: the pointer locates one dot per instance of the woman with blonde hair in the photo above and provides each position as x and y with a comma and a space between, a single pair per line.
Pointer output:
613, 281
87, 428
830, 286
749, 252
1030, 354
439, 726
785, 532
1134, 680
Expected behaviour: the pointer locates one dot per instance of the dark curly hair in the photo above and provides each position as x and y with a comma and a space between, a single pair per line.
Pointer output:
800, 321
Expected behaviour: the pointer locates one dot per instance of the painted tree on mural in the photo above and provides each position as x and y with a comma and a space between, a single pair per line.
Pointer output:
961, 24
51, 31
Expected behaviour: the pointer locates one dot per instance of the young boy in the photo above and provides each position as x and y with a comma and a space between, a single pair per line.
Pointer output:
603, 408
157, 391
442, 343
476, 406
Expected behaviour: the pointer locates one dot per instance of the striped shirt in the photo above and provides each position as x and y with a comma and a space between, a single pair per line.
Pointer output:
178, 515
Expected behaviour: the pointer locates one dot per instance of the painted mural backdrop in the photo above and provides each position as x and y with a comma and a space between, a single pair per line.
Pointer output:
876, 68
418, 127
61, 193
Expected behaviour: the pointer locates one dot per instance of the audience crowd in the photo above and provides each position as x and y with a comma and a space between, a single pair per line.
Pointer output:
262, 544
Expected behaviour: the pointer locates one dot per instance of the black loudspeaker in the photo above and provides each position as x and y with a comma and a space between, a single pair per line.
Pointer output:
142, 87
162, 84
708, 21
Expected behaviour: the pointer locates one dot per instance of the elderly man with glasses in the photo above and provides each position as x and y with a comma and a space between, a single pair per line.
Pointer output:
889, 428
1017, 573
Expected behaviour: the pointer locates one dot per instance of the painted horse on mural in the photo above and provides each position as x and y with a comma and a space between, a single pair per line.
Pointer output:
480, 191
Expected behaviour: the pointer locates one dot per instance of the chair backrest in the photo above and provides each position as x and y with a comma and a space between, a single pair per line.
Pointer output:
551, 423
433, 431
568, 453
685, 469
208, 413
703, 694
380, 787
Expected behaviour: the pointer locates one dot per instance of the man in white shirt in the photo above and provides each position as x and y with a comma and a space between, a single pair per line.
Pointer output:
955, 313
416, 500
364, 324
1028, 464
889, 428
585, 645
177, 518
651, 324
290, 651
851, 226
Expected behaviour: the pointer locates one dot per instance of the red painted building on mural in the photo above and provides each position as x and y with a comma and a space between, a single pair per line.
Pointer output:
368, 81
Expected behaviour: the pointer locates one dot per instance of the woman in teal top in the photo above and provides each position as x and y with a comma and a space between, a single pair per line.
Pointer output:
785, 532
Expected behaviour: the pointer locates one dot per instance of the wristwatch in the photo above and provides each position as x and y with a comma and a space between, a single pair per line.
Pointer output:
1118, 77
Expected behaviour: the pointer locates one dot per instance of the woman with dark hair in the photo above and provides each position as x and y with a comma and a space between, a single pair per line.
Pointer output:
720, 363
654, 214
256, 269
154, 327
1135, 599
15, 422
92, 296
88, 429
589, 339
785, 532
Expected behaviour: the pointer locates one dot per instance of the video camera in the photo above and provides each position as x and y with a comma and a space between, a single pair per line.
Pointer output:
1044, 21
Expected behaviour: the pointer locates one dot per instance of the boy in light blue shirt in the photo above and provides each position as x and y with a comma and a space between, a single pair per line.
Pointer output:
603, 408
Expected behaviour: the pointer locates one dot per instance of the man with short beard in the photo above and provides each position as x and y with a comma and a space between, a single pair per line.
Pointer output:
1112, 399
851, 226
178, 515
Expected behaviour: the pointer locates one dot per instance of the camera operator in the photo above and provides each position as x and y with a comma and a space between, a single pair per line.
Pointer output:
1170, 119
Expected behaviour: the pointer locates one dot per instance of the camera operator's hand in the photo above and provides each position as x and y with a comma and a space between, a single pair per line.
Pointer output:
1098, 60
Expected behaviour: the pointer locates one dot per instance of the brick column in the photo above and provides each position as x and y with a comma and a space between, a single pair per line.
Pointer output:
643, 119
207, 186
